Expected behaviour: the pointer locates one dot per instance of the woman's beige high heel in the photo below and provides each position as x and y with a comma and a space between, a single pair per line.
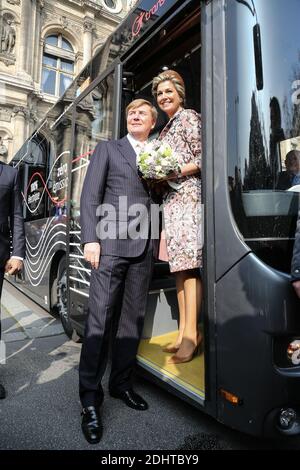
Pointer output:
171, 349
176, 359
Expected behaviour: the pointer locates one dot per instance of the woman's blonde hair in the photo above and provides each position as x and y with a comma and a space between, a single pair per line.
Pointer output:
173, 77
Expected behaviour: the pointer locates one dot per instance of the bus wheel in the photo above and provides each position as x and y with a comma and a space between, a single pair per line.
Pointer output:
62, 301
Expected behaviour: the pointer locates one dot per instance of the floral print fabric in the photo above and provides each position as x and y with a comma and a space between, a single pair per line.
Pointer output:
182, 206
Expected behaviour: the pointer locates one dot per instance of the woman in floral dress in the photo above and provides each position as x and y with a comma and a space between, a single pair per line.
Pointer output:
182, 210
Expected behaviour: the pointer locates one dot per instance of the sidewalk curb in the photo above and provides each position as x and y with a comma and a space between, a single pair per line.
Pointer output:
16, 336
29, 322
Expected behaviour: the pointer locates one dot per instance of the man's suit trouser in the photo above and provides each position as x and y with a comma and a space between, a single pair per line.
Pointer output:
118, 285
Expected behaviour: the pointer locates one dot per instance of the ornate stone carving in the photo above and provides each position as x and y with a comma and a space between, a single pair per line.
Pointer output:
88, 26
34, 115
49, 17
5, 114
21, 111
132, 3
8, 35
92, 4
14, 2
64, 21
41, 4
3, 148
7, 60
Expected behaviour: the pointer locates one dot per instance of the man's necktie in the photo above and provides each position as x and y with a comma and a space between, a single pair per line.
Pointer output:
139, 147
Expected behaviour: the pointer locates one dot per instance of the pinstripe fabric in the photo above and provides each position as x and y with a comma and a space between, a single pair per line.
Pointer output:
1, 284
11, 218
118, 296
112, 173
119, 288
11, 214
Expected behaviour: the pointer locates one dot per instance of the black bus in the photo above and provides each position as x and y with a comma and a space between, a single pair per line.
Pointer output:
240, 60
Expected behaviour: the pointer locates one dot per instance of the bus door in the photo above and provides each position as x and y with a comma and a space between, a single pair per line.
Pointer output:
253, 105
96, 115
176, 45
32, 166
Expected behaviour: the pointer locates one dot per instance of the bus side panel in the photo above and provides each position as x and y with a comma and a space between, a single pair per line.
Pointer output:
44, 238
254, 307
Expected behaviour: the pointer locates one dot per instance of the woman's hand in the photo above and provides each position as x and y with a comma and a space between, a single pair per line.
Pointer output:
171, 176
190, 169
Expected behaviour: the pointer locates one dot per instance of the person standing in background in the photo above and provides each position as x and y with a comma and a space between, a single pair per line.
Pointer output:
11, 223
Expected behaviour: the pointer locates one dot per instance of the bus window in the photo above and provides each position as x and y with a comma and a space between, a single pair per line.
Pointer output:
59, 158
263, 126
35, 161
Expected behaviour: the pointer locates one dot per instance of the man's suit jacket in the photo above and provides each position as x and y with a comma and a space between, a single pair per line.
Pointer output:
11, 217
112, 173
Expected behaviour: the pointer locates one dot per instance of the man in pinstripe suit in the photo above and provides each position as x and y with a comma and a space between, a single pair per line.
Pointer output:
122, 262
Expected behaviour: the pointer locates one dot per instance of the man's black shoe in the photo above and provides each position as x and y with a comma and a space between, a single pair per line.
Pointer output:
131, 399
2, 392
91, 424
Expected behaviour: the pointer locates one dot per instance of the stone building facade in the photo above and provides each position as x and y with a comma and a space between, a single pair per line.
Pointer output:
43, 45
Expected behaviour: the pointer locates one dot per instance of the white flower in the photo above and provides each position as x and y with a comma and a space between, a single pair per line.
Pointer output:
157, 160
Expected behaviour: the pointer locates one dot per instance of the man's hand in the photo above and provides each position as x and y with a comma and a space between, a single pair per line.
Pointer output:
92, 254
13, 266
296, 286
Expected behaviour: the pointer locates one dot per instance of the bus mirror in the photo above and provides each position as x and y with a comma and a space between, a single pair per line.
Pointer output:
258, 57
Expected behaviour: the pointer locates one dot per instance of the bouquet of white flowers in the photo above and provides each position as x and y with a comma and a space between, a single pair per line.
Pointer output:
157, 160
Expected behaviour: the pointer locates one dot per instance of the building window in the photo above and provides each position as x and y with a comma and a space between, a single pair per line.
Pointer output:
58, 65
114, 6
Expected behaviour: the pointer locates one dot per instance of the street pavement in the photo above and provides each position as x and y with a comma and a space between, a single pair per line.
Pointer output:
42, 408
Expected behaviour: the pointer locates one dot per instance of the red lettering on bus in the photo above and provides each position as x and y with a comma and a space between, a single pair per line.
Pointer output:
144, 17
154, 9
137, 25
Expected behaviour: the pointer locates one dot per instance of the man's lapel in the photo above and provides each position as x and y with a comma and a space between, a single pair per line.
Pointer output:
128, 152
1, 167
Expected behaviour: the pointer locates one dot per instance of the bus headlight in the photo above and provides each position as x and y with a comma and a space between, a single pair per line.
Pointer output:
293, 352
287, 417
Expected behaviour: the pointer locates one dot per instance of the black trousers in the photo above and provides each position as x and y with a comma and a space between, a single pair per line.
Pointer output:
118, 295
